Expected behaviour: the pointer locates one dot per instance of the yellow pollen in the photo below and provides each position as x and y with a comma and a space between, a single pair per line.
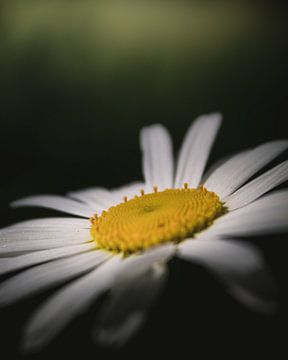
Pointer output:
159, 217
93, 218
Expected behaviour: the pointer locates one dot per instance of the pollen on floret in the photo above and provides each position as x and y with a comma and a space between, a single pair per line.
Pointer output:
155, 218
93, 218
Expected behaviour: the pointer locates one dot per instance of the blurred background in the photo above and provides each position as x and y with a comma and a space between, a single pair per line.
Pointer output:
78, 81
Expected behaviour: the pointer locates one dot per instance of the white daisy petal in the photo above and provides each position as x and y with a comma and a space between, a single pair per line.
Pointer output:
50, 224
97, 198
258, 293
16, 263
16, 234
158, 165
17, 249
238, 169
195, 150
258, 187
66, 304
219, 163
17, 240
59, 203
221, 255
127, 305
265, 215
47, 275
239, 265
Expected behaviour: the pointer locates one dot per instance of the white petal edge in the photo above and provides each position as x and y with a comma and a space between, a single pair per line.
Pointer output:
195, 149
257, 187
20, 262
55, 202
252, 301
240, 266
158, 163
238, 169
47, 275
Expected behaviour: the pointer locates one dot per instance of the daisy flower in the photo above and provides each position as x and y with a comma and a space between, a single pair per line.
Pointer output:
120, 241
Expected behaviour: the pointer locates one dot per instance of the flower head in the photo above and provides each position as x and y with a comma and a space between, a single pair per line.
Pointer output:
122, 239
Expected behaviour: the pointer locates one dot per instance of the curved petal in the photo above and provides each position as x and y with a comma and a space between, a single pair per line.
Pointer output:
126, 308
47, 275
257, 187
238, 169
158, 164
55, 202
195, 150
240, 266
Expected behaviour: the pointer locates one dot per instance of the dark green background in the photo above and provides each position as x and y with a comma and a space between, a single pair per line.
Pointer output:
78, 81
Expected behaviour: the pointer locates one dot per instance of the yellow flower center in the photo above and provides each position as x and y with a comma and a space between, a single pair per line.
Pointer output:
151, 219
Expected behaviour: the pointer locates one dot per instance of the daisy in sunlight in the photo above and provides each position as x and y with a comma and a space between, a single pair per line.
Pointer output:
119, 242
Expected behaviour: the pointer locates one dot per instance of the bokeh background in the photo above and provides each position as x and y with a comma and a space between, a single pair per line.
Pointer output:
78, 81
